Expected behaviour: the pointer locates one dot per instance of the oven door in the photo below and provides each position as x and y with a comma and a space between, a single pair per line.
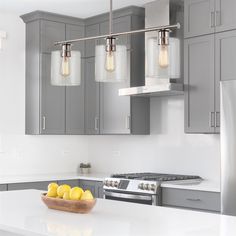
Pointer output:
131, 197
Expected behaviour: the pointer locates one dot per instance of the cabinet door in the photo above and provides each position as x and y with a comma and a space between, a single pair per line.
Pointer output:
91, 98
75, 94
99, 189
52, 101
72, 182
33, 185
225, 51
225, 15
50, 32
3, 187
91, 30
199, 85
199, 16
88, 185
75, 32
75, 106
115, 110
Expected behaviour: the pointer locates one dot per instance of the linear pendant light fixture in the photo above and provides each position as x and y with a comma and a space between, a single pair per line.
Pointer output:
110, 59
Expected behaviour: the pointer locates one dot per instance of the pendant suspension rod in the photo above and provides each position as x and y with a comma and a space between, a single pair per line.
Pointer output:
111, 17
166, 27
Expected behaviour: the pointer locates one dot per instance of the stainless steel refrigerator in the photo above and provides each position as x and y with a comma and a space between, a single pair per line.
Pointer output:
228, 147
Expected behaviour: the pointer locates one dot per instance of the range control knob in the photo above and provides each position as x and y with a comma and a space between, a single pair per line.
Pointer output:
141, 186
153, 187
147, 186
116, 184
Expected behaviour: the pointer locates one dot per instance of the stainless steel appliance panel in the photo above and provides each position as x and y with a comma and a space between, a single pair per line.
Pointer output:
228, 147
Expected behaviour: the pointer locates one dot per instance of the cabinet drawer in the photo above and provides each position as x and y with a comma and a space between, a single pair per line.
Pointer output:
72, 182
33, 185
201, 200
3, 187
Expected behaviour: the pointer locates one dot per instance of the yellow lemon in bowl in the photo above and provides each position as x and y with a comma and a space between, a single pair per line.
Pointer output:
87, 195
52, 192
53, 185
66, 196
62, 189
76, 193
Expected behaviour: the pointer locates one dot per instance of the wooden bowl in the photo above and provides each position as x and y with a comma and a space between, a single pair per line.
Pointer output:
76, 206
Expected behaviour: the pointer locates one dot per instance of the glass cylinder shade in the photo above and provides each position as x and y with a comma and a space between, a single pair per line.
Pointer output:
67, 72
111, 66
163, 62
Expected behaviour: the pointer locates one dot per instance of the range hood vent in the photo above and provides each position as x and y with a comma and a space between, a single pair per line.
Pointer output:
158, 13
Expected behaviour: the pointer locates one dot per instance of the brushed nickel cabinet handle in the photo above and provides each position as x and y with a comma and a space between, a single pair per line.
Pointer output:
217, 119
217, 18
96, 123
193, 199
127, 123
213, 18
44, 123
212, 119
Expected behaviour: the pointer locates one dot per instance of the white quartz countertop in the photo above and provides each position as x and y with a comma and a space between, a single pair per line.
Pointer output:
204, 185
51, 177
23, 213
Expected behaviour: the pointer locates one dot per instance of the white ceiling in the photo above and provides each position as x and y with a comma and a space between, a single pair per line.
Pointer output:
77, 8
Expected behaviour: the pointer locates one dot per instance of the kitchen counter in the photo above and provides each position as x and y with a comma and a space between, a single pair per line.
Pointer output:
23, 213
51, 177
205, 185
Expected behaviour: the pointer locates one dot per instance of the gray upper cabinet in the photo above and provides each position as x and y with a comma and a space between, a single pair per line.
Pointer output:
199, 85
50, 32
52, 101
91, 98
209, 16
225, 15
91, 108
75, 94
91, 30
199, 17
125, 115
51, 109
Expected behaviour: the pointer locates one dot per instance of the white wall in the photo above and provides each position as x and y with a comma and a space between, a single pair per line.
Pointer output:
21, 154
167, 149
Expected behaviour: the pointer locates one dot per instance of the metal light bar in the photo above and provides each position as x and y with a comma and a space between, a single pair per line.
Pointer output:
166, 27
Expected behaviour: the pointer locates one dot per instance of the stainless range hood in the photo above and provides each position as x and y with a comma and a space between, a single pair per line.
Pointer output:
157, 13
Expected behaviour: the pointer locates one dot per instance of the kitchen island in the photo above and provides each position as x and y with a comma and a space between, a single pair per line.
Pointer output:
23, 213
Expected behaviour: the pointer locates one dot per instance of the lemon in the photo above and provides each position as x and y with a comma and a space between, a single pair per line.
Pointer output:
76, 193
87, 195
66, 196
62, 189
53, 185
52, 192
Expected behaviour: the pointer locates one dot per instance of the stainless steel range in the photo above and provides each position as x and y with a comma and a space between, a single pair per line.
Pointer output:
142, 188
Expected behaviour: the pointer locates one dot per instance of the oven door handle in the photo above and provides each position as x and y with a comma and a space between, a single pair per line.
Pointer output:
128, 196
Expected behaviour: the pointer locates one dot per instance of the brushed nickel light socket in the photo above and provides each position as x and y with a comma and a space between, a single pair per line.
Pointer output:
110, 44
66, 50
163, 37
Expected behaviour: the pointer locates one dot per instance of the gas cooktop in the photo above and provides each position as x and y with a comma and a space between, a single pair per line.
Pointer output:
155, 176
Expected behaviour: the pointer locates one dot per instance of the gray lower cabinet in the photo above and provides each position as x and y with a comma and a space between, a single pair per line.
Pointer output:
3, 187
199, 85
191, 199
32, 185
96, 187
72, 182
